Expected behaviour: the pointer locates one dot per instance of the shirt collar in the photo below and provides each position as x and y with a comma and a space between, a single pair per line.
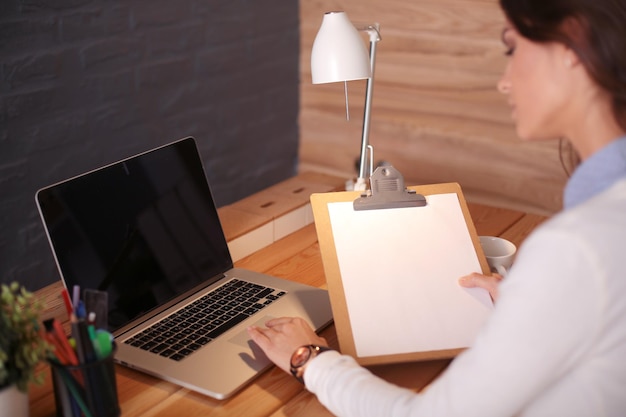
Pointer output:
597, 173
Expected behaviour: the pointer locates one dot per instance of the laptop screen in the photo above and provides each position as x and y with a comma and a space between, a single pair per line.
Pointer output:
145, 229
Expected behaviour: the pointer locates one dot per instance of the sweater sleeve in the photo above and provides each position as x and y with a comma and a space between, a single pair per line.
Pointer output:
361, 394
536, 334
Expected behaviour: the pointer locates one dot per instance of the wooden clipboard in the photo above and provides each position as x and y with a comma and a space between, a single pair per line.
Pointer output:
425, 314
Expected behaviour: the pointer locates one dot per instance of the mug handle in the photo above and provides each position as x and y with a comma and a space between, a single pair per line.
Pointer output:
501, 270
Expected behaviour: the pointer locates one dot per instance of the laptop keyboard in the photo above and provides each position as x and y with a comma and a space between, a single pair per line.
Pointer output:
197, 324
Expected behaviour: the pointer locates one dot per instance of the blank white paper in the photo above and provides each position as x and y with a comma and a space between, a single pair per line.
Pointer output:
400, 270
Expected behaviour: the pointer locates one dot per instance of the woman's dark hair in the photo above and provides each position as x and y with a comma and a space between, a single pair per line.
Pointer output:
594, 29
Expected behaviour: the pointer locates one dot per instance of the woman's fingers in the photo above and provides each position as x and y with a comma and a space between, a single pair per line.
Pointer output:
282, 336
487, 282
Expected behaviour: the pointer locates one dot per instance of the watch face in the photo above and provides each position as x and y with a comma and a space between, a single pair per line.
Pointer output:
300, 356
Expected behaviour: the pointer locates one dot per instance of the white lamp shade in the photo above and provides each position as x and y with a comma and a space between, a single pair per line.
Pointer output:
338, 53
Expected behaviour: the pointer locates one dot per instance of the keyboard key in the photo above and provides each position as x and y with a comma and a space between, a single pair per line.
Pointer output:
227, 326
197, 324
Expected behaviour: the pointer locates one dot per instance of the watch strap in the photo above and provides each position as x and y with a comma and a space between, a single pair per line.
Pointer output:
314, 350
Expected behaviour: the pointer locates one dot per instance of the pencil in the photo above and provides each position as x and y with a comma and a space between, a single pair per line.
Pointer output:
53, 328
67, 302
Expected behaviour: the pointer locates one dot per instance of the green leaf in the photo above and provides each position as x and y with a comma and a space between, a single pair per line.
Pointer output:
21, 346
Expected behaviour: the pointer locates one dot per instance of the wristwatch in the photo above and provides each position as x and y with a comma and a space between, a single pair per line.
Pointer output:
301, 358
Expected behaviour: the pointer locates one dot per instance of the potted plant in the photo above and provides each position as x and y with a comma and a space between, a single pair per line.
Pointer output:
22, 347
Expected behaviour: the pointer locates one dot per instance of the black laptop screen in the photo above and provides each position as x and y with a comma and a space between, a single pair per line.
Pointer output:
145, 230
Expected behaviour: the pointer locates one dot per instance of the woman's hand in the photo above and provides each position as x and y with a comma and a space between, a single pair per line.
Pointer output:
488, 282
282, 337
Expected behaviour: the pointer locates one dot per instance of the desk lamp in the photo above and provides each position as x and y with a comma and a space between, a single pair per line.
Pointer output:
339, 54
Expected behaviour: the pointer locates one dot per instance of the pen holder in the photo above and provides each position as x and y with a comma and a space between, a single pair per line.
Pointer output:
88, 389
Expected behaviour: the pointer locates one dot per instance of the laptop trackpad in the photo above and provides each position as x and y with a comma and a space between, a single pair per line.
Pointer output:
257, 360
243, 339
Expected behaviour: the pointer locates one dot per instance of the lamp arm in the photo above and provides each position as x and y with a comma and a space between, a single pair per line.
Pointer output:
373, 30
374, 34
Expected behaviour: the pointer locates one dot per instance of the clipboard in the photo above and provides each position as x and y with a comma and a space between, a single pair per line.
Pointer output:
392, 260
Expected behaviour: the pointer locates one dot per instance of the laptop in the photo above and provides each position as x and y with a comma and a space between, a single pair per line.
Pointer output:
146, 231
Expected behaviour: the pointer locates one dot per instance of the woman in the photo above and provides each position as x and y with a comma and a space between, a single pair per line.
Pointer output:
556, 342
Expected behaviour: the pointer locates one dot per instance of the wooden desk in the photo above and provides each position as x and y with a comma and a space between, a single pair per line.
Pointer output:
295, 257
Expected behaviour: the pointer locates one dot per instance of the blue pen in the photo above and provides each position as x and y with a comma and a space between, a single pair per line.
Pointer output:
81, 313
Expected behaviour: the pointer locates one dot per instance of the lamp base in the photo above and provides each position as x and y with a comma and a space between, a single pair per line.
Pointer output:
359, 185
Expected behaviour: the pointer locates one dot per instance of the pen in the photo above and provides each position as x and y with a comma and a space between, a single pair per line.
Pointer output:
76, 296
75, 391
68, 404
91, 318
85, 342
103, 343
55, 330
80, 310
80, 352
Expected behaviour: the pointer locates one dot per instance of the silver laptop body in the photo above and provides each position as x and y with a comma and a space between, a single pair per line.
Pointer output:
146, 231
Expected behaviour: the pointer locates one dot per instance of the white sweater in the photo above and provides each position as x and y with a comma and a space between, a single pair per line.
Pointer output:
555, 344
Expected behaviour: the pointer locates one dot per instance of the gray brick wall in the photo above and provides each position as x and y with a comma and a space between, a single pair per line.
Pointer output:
84, 83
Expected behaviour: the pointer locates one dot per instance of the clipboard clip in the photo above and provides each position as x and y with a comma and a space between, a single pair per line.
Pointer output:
388, 191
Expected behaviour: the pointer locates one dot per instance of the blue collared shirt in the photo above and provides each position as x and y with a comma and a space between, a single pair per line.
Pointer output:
597, 173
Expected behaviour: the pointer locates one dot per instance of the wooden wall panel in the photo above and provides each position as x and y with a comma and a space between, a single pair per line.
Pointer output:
436, 114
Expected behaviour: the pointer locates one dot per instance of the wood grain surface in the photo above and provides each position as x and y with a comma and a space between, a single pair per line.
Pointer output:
436, 114
274, 393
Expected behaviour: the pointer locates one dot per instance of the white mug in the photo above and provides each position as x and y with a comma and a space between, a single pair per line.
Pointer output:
499, 252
